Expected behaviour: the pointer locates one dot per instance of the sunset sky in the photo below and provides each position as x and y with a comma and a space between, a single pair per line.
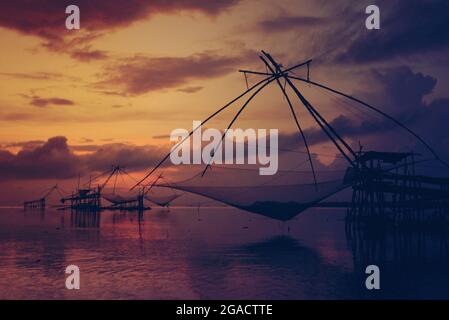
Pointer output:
113, 91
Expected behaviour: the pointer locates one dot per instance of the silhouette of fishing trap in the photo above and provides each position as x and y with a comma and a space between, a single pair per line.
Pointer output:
380, 181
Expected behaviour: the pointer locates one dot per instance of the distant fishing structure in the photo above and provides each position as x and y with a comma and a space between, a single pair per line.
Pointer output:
41, 202
384, 184
87, 198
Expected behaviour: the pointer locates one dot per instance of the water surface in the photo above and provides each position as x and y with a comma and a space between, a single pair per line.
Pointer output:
211, 253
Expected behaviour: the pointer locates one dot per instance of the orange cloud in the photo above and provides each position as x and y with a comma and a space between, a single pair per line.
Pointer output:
44, 102
141, 74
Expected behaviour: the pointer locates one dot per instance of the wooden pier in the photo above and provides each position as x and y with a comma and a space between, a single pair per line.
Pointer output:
385, 187
85, 200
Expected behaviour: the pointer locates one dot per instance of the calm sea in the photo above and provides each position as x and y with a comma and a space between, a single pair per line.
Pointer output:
211, 253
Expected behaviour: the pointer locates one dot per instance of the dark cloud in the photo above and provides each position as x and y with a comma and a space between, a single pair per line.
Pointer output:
128, 156
109, 92
401, 93
141, 74
46, 18
162, 136
408, 28
347, 128
55, 159
17, 116
24, 144
289, 23
78, 45
44, 102
85, 147
190, 89
86, 54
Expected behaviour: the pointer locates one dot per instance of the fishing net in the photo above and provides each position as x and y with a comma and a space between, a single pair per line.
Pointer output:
117, 199
162, 201
339, 124
281, 197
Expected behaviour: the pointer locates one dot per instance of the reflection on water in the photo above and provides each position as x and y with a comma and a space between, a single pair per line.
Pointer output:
85, 219
214, 253
278, 268
414, 259
400, 245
